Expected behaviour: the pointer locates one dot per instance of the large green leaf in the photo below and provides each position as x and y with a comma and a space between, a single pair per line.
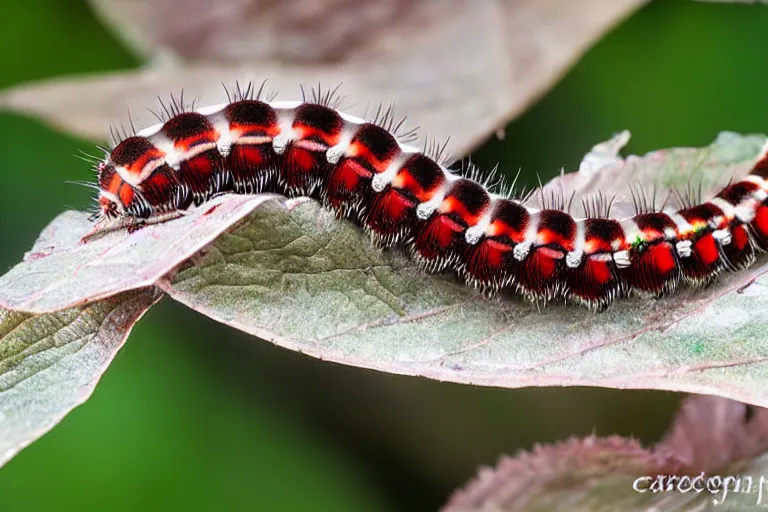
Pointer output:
50, 363
303, 280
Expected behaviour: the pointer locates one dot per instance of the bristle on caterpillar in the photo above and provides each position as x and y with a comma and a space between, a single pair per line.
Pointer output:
464, 221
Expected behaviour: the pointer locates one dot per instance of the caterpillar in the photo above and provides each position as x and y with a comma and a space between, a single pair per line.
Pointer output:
400, 194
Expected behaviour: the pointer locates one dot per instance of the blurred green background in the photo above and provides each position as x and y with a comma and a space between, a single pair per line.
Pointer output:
195, 416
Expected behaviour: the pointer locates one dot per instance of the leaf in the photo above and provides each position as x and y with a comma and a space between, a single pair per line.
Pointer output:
709, 433
297, 277
298, 31
618, 474
604, 171
460, 69
605, 474
49, 364
61, 271
577, 474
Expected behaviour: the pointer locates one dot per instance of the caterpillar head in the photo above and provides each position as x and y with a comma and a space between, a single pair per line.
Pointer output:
116, 196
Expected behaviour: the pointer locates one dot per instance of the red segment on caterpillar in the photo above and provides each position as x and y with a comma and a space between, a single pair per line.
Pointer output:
557, 229
137, 157
740, 253
304, 164
251, 160
163, 190
371, 151
653, 268
490, 262
705, 262
392, 213
760, 225
199, 163
442, 235
436, 238
595, 281
539, 274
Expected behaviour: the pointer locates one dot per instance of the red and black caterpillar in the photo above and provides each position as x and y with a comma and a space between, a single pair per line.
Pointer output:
402, 194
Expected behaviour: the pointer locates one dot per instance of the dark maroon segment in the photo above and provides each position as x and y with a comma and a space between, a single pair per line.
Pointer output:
441, 237
392, 213
253, 167
706, 260
654, 268
556, 229
490, 262
305, 168
558, 222
466, 201
596, 282
163, 191
740, 253
131, 150
738, 192
419, 177
188, 125
376, 144
251, 161
654, 224
509, 221
251, 118
599, 234
317, 123
541, 272
371, 150
348, 187
704, 212
135, 156
437, 238
203, 174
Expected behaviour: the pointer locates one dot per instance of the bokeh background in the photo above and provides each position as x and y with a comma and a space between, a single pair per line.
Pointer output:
195, 416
